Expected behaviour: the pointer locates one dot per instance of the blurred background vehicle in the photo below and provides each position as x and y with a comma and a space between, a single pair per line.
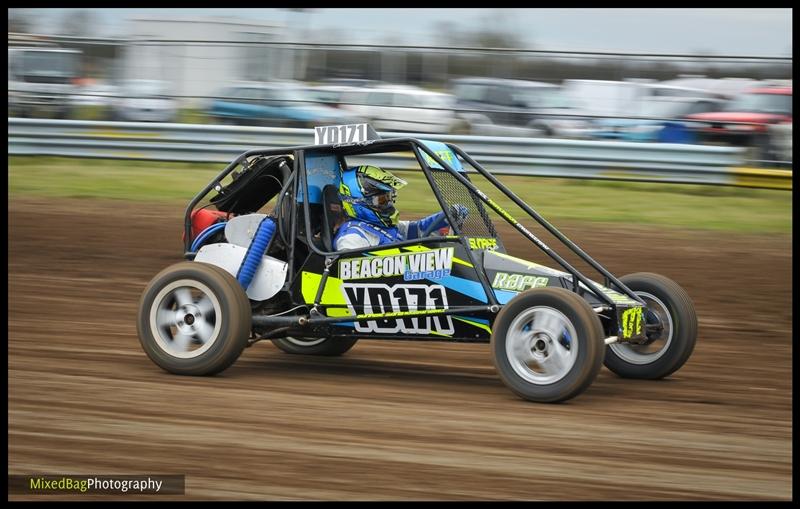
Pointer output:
489, 104
404, 108
144, 101
66, 70
724, 88
40, 81
619, 98
349, 82
780, 136
330, 95
654, 124
746, 119
276, 103
94, 94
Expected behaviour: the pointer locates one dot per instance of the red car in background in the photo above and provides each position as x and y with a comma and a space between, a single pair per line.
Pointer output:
745, 121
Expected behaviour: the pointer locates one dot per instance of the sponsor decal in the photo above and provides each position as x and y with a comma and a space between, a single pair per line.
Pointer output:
445, 155
387, 303
483, 243
632, 322
432, 264
518, 282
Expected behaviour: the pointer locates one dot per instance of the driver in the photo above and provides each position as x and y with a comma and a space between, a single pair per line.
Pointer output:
368, 194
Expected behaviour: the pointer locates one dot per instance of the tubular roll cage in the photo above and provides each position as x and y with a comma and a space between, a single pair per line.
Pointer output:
418, 148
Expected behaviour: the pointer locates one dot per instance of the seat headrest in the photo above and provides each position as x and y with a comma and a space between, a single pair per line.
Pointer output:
331, 214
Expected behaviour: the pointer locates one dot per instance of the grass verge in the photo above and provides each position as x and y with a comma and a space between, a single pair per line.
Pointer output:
696, 207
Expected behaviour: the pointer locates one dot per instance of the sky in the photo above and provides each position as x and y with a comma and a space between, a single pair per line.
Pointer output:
751, 32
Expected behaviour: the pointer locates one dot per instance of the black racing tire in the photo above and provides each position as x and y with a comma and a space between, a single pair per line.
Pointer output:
226, 312
329, 347
667, 299
517, 353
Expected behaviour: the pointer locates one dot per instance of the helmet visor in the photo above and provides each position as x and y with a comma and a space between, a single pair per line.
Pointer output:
383, 201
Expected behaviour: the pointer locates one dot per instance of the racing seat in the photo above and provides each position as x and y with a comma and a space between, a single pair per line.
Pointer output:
332, 212
324, 218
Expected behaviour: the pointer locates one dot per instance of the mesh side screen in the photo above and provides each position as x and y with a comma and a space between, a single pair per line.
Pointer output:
477, 223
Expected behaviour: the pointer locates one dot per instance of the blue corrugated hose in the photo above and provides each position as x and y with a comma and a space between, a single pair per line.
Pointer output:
256, 250
211, 230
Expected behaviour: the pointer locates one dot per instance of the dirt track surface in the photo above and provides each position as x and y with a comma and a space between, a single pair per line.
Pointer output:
389, 420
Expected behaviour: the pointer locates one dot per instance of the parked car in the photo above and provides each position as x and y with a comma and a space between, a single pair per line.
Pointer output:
330, 95
144, 101
275, 103
540, 108
405, 108
745, 120
654, 123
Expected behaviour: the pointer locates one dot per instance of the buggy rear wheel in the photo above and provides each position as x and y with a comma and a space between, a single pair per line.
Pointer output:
547, 345
670, 344
194, 319
330, 347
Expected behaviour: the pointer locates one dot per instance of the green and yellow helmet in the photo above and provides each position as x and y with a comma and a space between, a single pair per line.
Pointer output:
368, 194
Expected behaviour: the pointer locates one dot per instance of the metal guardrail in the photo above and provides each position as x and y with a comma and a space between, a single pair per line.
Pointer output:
652, 162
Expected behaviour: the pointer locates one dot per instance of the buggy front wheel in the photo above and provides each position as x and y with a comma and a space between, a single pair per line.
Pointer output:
547, 345
671, 324
194, 319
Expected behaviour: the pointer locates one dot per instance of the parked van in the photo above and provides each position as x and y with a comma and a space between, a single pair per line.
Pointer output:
404, 108
618, 98
41, 81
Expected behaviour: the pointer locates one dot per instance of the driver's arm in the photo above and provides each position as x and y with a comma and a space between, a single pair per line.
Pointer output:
429, 224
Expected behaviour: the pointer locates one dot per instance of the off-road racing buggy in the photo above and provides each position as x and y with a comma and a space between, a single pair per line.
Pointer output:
253, 276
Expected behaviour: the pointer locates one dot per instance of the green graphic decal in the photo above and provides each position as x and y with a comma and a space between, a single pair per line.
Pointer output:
474, 323
632, 322
384, 176
396, 314
483, 243
501, 211
445, 155
518, 282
